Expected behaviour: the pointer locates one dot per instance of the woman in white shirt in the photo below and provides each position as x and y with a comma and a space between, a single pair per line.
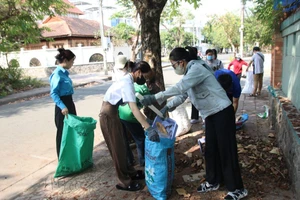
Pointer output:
118, 93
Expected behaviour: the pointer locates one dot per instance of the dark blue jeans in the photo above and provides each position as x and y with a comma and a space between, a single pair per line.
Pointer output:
138, 134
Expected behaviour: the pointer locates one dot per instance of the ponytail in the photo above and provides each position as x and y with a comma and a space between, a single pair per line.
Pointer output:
64, 54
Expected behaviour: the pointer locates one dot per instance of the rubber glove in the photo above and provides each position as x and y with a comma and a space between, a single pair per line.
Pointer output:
152, 134
148, 100
166, 109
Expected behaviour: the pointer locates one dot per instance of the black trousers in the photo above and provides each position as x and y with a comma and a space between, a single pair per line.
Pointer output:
221, 150
138, 134
59, 119
195, 113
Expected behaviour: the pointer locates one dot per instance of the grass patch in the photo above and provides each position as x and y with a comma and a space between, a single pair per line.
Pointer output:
25, 83
12, 81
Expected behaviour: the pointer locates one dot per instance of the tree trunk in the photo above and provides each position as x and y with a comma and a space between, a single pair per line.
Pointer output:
150, 11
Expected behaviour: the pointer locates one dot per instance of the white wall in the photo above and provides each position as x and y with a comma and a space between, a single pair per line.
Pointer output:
47, 56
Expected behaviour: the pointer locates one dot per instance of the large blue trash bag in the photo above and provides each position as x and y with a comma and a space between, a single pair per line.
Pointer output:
77, 144
159, 163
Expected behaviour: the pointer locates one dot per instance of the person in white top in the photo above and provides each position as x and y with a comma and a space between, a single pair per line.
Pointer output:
258, 71
119, 93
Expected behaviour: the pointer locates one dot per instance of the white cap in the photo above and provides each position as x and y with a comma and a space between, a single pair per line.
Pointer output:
238, 56
120, 61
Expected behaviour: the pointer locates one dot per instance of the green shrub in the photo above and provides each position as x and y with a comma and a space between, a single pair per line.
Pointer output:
12, 80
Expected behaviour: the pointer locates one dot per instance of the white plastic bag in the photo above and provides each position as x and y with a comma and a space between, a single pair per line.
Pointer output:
248, 88
181, 117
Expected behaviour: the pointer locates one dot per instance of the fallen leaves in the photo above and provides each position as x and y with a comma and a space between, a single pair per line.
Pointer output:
182, 192
275, 150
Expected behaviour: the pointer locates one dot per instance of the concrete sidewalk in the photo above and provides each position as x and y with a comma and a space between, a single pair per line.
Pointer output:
78, 80
99, 182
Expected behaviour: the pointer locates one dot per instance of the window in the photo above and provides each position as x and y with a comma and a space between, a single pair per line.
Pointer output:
34, 62
97, 57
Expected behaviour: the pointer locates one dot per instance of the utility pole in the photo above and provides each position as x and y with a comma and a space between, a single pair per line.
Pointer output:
103, 39
242, 28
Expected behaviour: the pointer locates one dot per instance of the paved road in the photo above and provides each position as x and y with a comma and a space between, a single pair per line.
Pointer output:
28, 135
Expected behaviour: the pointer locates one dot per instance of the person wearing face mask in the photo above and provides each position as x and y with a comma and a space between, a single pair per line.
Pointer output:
219, 62
122, 92
237, 65
131, 124
207, 95
212, 61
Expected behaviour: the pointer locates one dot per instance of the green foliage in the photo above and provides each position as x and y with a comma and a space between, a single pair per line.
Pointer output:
223, 31
263, 21
12, 79
176, 37
256, 30
18, 21
123, 32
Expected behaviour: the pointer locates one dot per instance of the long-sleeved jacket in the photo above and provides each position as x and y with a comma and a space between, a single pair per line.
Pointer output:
201, 86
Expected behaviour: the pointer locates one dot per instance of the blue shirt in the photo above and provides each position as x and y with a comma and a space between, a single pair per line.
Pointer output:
61, 85
236, 86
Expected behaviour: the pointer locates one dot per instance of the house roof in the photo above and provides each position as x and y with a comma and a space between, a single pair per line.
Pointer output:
68, 26
73, 8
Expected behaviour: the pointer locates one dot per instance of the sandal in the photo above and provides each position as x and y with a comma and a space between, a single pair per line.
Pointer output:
252, 95
140, 175
132, 187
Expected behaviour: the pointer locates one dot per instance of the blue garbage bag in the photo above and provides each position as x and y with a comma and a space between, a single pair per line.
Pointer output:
159, 162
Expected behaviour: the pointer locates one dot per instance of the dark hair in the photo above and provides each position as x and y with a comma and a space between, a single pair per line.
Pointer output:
215, 52
134, 66
256, 49
225, 81
208, 51
64, 54
193, 52
180, 53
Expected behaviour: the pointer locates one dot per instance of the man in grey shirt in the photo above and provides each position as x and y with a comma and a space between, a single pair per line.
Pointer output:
258, 71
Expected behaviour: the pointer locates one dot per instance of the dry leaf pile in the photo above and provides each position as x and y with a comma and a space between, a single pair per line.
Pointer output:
262, 165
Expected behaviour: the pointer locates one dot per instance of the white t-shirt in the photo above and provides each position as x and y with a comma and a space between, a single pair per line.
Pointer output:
258, 62
122, 89
118, 74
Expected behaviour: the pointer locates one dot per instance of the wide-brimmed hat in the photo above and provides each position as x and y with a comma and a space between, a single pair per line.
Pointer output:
120, 61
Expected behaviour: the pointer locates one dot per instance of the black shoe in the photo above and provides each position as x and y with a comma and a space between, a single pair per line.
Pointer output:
140, 175
132, 187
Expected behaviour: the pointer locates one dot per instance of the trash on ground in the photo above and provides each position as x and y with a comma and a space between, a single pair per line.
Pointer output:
193, 177
265, 114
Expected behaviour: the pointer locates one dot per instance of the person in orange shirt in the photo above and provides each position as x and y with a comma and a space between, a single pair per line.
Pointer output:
237, 65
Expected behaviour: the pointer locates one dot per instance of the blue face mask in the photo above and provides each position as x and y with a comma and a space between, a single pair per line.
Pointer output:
209, 57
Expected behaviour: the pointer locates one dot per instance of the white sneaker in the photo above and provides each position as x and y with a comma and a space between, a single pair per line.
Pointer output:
206, 187
194, 121
236, 195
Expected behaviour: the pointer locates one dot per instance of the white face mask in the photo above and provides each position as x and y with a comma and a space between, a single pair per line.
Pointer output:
179, 70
